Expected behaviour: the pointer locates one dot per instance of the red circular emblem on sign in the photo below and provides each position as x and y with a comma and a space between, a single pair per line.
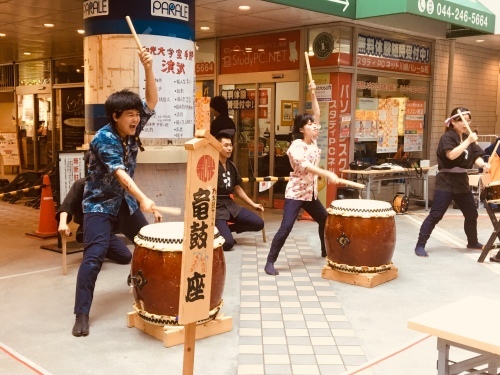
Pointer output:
205, 168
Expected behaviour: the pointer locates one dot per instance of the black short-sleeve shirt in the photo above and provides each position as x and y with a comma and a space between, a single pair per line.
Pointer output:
455, 182
228, 178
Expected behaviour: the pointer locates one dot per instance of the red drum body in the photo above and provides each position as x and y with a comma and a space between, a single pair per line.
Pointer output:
156, 272
360, 233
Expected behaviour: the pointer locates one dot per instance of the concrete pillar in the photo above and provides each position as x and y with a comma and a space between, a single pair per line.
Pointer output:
112, 64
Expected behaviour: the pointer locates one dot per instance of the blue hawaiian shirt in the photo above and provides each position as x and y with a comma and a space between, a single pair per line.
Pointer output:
103, 193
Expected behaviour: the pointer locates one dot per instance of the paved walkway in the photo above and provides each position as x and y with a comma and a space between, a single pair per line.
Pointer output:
294, 323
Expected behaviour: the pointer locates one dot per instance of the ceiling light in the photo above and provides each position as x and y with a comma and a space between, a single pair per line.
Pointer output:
80, 31
78, 70
27, 53
244, 7
48, 24
236, 49
2, 34
480, 40
261, 50
282, 39
204, 28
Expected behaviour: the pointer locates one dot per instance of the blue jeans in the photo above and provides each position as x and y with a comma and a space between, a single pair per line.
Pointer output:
290, 213
440, 204
246, 221
100, 243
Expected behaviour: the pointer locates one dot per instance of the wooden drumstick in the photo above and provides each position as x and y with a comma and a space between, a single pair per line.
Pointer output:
132, 29
351, 183
168, 210
465, 121
308, 67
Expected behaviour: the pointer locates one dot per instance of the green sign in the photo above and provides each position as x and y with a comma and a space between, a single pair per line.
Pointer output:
469, 13
341, 8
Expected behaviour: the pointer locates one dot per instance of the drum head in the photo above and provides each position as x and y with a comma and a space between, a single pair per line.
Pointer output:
167, 236
361, 208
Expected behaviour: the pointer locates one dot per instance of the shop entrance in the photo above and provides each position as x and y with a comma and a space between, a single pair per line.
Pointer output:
35, 128
263, 134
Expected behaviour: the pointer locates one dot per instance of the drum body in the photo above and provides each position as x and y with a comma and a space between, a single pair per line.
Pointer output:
360, 233
156, 272
493, 191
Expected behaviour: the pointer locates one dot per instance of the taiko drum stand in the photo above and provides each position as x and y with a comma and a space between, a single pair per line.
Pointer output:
490, 245
366, 279
174, 335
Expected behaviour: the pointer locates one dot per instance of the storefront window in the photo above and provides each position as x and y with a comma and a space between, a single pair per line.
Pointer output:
68, 70
390, 117
34, 73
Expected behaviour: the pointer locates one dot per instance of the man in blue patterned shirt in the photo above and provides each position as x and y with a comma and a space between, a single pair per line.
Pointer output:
111, 196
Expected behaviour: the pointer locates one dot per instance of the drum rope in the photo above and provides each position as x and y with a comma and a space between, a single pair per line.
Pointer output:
355, 269
167, 320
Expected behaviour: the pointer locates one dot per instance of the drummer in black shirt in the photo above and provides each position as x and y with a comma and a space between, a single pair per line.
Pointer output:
227, 210
456, 153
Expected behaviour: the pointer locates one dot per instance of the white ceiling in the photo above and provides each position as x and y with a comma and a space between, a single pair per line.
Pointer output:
22, 22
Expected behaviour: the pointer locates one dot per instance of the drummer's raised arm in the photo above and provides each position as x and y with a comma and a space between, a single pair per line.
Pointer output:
314, 101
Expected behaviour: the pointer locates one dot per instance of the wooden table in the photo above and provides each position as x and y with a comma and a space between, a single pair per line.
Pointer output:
392, 174
471, 324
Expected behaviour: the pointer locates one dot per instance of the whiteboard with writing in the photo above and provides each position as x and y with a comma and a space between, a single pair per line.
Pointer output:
9, 148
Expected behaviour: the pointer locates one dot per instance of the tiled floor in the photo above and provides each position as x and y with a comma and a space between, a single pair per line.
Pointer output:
294, 323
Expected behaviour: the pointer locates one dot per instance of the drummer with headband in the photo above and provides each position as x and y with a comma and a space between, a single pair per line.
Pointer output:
456, 153
111, 195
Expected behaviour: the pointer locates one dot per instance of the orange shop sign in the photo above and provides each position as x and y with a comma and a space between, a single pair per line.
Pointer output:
260, 53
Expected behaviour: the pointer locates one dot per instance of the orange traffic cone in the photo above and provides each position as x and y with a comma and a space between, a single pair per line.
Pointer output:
47, 224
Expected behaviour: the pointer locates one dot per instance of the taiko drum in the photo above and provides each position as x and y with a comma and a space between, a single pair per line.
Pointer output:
493, 190
360, 233
156, 272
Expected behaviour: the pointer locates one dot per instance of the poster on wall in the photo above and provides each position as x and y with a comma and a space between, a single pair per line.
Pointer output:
9, 149
365, 125
71, 168
388, 119
414, 125
173, 65
73, 118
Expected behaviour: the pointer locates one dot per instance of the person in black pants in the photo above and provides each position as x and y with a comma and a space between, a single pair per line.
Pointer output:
227, 210
456, 153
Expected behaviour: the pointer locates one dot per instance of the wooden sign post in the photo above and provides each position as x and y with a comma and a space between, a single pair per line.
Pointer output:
197, 251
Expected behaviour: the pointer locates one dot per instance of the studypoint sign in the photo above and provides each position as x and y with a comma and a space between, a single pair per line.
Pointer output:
261, 53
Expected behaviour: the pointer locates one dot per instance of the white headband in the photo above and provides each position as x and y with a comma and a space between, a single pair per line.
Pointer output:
448, 120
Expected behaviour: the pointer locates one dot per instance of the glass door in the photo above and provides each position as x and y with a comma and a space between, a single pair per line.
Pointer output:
34, 112
253, 114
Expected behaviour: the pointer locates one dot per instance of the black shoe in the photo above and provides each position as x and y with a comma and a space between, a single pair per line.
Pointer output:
81, 327
323, 253
496, 258
476, 246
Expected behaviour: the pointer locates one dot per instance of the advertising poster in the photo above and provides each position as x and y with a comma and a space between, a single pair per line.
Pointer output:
173, 65
73, 118
388, 119
414, 125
